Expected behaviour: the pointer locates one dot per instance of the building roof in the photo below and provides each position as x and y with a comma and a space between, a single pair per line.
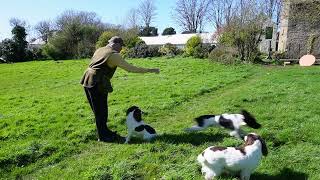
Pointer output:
38, 41
178, 39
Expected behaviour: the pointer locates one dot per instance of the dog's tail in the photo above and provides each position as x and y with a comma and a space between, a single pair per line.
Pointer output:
250, 120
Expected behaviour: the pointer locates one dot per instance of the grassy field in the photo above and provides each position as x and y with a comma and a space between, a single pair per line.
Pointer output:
47, 129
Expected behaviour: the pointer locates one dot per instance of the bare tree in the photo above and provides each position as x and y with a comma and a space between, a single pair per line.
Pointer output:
17, 22
44, 30
221, 12
132, 18
270, 7
78, 17
191, 15
279, 6
147, 12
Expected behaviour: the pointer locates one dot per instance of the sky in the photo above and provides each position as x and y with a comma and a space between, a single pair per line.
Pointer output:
110, 11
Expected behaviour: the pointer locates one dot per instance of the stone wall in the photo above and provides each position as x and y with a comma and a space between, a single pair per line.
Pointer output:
303, 26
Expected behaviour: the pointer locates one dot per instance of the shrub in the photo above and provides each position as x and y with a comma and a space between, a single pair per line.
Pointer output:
35, 53
148, 31
52, 52
244, 36
104, 38
8, 50
85, 49
195, 48
203, 50
140, 50
127, 52
15, 49
124, 52
225, 55
279, 55
191, 45
168, 50
153, 51
168, 31
131, 42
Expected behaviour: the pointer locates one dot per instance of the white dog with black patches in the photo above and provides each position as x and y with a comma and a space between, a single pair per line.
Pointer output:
136, 126
232, 122
237, 161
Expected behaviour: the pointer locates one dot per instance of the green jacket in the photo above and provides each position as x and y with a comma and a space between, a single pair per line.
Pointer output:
99, 73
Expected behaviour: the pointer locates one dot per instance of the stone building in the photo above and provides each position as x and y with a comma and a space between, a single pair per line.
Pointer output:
266, 42
300, 28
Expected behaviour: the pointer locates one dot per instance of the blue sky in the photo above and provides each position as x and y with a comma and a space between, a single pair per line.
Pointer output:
110, 11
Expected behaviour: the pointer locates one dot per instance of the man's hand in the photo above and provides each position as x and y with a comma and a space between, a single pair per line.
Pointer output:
155, 70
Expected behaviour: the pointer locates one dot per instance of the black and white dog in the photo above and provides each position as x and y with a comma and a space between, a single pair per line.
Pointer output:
241, 161
136, 126
232, 122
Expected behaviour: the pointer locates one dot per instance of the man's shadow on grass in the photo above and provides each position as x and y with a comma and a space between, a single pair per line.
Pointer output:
194, 138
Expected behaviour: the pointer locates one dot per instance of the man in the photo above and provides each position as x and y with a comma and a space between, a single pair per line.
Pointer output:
97, 85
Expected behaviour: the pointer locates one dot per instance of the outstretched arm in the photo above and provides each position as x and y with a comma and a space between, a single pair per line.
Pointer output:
116, 60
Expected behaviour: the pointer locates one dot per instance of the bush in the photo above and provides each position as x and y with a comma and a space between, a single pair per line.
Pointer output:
192, 43
8, 50
168, 31
244, 36
140, 50
127, 52
52, 52
203, 50
104, 38
148, 31
153, 51
168, 50
131, 42
195, 48
35, 53
225, 55
280, 55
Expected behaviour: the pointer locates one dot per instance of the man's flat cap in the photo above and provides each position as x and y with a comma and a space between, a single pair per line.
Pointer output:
116, 39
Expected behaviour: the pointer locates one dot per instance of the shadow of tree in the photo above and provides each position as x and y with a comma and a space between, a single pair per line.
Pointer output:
284, 174
190, 138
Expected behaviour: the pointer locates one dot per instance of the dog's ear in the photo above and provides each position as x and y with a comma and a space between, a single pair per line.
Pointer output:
130, 109
137, 114
264, 147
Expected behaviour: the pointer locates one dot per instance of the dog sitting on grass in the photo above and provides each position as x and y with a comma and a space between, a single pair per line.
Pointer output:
232, 122
136, 126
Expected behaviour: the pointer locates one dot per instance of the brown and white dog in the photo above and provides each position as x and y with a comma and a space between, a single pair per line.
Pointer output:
232, 122
234, 160
136, 126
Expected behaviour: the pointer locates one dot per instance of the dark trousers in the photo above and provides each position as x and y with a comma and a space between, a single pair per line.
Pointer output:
99, 104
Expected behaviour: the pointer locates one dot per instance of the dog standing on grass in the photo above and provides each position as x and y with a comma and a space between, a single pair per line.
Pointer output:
136, 126
232, 122
233, 160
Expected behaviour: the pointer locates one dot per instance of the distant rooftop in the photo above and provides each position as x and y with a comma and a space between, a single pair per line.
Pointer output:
178, 39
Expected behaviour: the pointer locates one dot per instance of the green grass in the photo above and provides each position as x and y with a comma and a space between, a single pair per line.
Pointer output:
47, 129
